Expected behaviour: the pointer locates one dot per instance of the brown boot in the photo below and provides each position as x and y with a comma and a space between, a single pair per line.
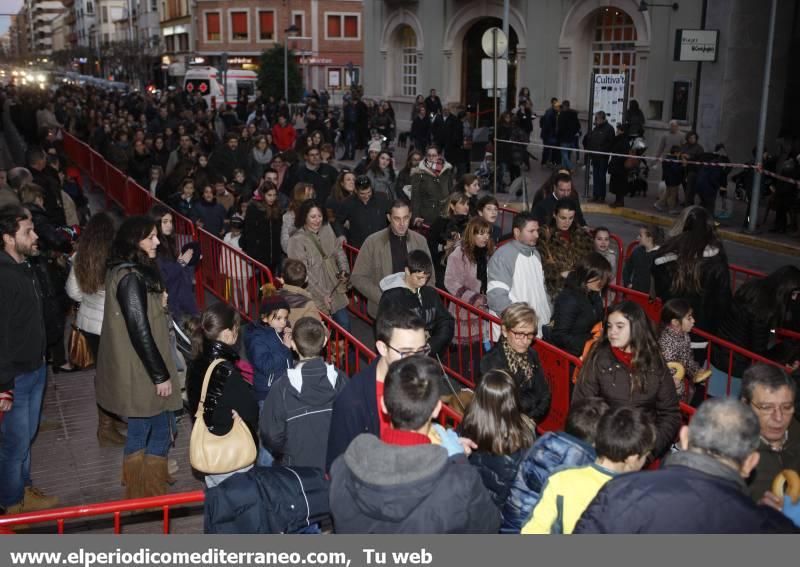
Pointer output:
107, 435
133, 475
156, 475
35, 500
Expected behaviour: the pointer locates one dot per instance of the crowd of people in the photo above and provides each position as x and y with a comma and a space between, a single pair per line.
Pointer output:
373, 439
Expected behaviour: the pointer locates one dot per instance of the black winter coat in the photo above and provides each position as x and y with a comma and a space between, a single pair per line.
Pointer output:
605, 377
743, 328
575, 313
297, 412
691, 494
261, 237
714, 298
364, 219
21, 315
636, 271
267, 500
227, 390
498, 472
355, 411
534, 393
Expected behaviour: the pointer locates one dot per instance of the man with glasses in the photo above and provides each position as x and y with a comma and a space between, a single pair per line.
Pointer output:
409, 290
364, 213
386, 252
771, 393
399, 333
313, 171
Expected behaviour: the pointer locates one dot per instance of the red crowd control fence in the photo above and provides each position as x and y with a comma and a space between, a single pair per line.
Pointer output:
115, 508
231, 275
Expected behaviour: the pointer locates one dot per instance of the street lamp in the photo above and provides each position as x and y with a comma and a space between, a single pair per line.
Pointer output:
290, 31
644, 6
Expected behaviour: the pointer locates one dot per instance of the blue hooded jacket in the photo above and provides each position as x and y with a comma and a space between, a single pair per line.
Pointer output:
268, 355
551, 452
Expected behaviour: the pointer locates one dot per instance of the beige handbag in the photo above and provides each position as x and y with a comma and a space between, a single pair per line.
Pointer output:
219, 454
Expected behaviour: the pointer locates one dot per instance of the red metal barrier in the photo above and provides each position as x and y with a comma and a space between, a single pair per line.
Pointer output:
651, 307
358, 303
231, 275
114, 508
740, 275
344, 350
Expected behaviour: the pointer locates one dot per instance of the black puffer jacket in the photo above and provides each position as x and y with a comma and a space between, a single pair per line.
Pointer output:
534, 393
261, 238
227, 390
605, 377
498, 472
574, 315
714, 298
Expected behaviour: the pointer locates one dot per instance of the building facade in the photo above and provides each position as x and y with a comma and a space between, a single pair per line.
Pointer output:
412, 46
328, 43
40, 16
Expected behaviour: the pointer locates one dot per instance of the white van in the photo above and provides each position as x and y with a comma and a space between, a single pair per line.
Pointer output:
208, 82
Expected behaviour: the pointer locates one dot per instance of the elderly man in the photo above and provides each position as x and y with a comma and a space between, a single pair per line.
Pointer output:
562, 189
386, 252
771, 394
700, 489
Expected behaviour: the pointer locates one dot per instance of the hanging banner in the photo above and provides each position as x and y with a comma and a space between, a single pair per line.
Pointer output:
609, 93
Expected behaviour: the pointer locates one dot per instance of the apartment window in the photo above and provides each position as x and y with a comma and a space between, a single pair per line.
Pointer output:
183, 42
153, 5
239, 26
105, 14
213, 27
105, 39
169, 43
266, 25
342, 26
89, 8
299, 20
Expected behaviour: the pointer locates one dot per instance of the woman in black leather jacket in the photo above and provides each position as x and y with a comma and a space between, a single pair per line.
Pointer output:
503, 434
579, 307
214, 336
135, 366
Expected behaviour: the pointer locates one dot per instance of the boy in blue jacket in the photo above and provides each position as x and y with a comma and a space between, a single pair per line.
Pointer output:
553, 451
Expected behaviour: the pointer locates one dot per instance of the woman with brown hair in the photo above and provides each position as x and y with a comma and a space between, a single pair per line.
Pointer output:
86, 285
446, 231
343, 188
466, 278
261, 237
315, 244
503, 434
135, 367
301, 193
626, 367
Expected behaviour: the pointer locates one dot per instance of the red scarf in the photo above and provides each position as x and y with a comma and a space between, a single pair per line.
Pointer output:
565, 235
626, 358
405, 438
435, 167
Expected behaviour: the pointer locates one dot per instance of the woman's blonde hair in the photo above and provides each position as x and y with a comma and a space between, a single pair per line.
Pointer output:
455, 198
519, 313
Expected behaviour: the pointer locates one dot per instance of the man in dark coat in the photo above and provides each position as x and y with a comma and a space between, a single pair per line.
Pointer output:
700, 489
562, 189
398, 333
600, 139
47, 178
227, 158
569, 128
364, 213
321, 175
